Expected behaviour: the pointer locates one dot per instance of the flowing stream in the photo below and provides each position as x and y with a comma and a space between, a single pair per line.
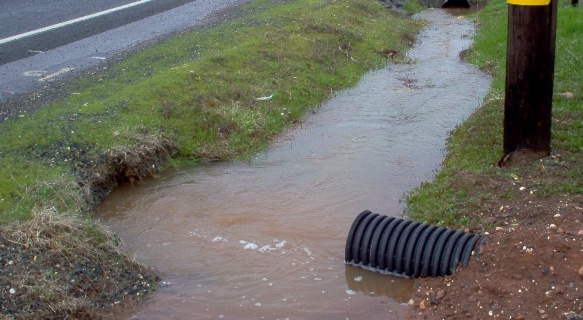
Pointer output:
265, 239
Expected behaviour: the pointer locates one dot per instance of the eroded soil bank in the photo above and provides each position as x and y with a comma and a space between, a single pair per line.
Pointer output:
532, 266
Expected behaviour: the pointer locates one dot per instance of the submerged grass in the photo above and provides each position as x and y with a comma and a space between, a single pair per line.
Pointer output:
458, 191
200, 93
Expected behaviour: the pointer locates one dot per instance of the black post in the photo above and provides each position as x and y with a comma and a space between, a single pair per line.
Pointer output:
529, 77
574, 3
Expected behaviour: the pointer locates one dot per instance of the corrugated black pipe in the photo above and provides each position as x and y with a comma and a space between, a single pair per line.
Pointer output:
406, 248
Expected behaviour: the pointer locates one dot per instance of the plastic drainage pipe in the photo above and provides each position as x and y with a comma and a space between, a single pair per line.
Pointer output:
408, 249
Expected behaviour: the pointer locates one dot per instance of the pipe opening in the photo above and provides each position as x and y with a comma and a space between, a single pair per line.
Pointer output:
406, 248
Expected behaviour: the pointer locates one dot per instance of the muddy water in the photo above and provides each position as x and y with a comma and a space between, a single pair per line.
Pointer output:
265, 239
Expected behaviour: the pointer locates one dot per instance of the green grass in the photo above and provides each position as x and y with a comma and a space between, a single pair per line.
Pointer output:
199, 90
475, 146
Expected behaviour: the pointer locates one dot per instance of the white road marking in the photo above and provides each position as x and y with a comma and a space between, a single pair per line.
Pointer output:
49, 76
69, 22
34, 73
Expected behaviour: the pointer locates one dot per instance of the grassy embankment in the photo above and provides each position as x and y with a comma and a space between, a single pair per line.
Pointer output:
196, 93
464, 186
191, 98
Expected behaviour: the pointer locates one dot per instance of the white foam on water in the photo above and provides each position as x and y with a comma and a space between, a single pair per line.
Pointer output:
195, 234
251, 246
265, 248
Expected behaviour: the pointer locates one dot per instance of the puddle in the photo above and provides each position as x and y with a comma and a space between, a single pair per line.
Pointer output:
266, 239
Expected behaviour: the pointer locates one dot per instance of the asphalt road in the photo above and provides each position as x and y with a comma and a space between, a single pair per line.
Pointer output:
29, 15
44, 41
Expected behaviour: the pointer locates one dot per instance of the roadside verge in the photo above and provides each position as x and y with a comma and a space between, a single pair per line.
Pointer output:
532, 266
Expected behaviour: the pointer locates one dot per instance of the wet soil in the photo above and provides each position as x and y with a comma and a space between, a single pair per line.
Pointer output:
532, 265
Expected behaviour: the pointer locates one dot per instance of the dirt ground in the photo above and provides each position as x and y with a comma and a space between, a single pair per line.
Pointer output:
531, 266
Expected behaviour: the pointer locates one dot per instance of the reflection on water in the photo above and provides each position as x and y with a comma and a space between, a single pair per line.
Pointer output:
378, 284
266, 239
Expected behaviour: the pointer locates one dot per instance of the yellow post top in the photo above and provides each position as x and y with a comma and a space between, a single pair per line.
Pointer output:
529, 2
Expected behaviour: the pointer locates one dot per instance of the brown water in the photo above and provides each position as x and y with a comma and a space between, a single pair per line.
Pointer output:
265, 239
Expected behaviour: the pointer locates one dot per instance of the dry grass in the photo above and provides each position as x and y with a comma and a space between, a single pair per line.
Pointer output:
57, 265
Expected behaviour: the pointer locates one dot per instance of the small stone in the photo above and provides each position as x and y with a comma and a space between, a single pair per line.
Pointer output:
520, 317
567, 94
411, 302
552, 226
433, 301
517, 276
581, 271
559, 290
440, 294
472, 299
422, 305
490, 220
580, 233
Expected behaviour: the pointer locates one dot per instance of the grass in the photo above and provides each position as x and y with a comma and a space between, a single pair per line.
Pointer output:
475, 146
197, 94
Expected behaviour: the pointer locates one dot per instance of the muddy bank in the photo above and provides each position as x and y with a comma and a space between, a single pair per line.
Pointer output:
532, 266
